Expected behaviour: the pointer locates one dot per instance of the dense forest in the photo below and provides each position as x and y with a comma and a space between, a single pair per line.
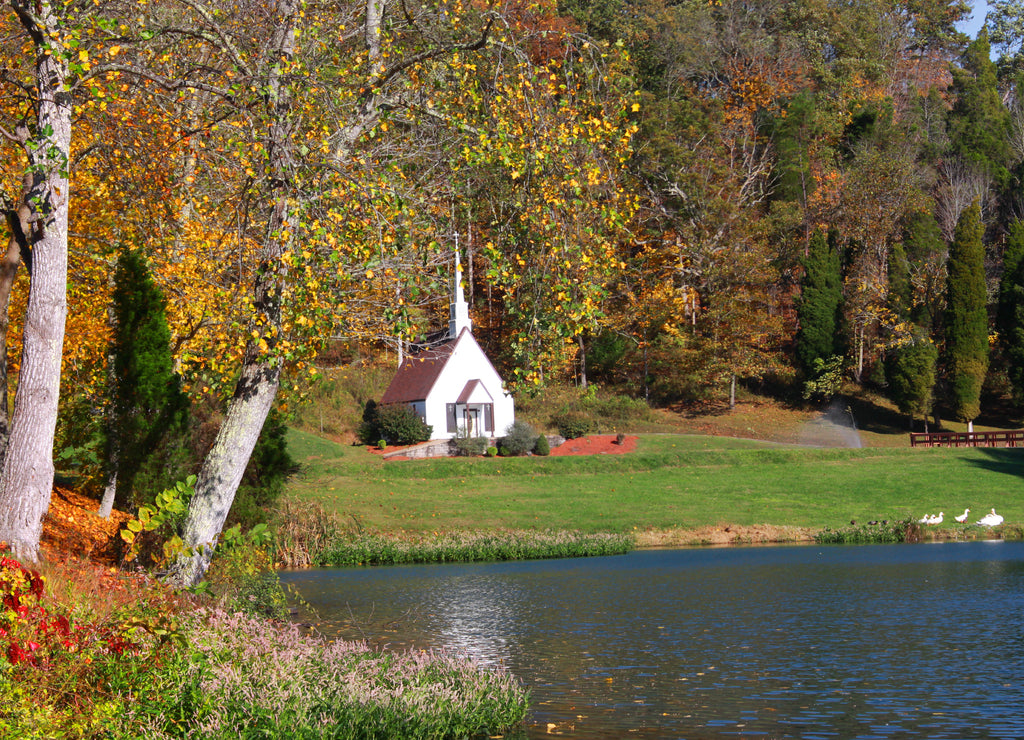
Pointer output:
669, 197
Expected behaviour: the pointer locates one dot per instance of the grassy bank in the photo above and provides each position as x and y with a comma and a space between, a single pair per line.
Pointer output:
92, 652
672, 482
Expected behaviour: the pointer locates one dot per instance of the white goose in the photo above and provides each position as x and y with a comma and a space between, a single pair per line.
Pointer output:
926, 519
935, 519
992, 519
963, 517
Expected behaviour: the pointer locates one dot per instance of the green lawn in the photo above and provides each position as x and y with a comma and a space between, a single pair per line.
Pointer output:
671, 481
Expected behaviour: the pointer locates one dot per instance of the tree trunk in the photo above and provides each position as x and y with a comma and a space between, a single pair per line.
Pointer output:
107, 503
583, 361
732, 391
258, 383
222, 469
27, 478
19, 221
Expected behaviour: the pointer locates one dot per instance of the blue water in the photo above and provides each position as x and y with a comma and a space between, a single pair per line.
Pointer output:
881, 641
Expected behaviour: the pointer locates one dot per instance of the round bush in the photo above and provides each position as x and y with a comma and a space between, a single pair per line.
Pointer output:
401, 425
572, 425
519, 439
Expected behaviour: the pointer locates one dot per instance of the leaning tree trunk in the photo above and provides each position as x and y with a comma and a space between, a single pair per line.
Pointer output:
223, 468
257, 385
27, 478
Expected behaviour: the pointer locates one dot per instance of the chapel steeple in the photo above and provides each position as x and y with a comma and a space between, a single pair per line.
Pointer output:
458, 314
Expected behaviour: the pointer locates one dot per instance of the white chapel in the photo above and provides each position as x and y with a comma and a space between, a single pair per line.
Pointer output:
453, 386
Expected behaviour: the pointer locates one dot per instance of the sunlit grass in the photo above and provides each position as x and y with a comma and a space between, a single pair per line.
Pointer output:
671, 481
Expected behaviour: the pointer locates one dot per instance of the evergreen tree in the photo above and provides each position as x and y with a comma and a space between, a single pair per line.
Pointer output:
966, 324
1010, 319
818, 309
792, 135
265, 475
146, 430
979, 124
909, 368
901, 296
911, 375
926, 252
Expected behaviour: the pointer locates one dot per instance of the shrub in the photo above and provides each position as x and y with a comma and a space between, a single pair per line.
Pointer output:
492, 451
543, 447
397, 424
572, 424
469, 446
519, 439
369, 431
242, 575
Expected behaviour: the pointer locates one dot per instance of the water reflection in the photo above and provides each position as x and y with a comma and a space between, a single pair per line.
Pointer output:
871, 642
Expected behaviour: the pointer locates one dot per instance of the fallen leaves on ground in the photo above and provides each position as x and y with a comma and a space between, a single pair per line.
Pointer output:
71, 528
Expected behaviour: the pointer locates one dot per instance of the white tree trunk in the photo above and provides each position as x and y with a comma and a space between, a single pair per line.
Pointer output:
222, 470
27, 478
107, 503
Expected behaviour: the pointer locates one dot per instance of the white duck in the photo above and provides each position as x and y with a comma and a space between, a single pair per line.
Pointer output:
935, 519
992, 519
926, 519
963, 517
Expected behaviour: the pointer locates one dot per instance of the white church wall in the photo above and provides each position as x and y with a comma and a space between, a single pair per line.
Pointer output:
467, 362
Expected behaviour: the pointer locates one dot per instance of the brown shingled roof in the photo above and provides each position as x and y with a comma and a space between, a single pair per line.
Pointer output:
418, 374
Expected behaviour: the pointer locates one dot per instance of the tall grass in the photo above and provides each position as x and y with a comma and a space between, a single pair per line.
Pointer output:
904, 530
303, 529
453, 547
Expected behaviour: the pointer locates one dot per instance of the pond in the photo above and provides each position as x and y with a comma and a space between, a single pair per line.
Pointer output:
877, 641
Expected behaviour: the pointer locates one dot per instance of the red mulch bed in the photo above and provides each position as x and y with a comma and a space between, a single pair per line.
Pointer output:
595, 444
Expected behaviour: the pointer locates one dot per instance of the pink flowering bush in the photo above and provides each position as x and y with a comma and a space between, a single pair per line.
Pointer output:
259, 679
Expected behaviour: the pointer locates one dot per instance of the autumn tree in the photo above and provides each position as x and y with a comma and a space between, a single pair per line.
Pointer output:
966, 319
318, 105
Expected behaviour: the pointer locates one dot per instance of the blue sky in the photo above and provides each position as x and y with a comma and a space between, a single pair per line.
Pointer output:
978, 17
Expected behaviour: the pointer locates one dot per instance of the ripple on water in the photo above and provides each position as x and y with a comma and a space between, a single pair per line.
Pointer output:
802, 642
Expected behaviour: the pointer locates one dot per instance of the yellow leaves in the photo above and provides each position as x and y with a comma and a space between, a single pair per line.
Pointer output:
113, 51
